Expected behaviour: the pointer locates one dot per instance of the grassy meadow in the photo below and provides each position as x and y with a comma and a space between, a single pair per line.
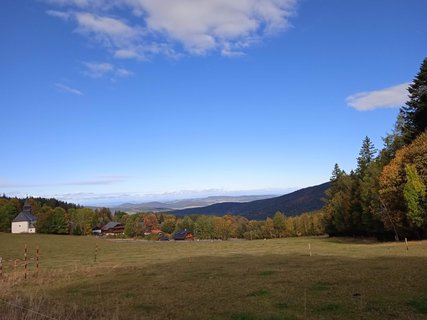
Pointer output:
236, 280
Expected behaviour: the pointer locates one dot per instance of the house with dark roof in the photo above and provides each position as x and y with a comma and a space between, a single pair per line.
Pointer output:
25, 221
183, 235
113, 228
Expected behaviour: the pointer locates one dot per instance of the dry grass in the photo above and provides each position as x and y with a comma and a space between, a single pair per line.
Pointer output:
240, 280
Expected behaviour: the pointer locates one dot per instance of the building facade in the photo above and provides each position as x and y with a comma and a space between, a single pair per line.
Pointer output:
25, 221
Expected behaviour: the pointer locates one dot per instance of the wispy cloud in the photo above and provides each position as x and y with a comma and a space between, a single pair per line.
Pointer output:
391, 97
101, 180
101, 69
173, 27
64, 88
59, 14
96, 181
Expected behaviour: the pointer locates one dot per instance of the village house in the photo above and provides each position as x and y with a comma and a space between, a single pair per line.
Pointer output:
113, 228
25, 221
183, 235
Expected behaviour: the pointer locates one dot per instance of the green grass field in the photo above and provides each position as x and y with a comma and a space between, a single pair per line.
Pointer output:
239, 280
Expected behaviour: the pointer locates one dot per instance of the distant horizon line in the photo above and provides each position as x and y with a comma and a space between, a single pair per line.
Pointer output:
110, 199
119, 198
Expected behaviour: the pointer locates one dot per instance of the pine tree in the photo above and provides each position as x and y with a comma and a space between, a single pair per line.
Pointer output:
336, 173
366, 156
415, 111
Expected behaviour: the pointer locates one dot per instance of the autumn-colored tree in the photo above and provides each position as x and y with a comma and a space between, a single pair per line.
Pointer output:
150, 222
254, 230
168, 225
82, 220
392, 183
221, 228
203, 228
188, 223
268, 228
414, 193
240, 226
104, 216
134, 225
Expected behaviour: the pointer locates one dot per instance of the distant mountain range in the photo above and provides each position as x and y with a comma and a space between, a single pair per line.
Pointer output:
292, 204
157, 206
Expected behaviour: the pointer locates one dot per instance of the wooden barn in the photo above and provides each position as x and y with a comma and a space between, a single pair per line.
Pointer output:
183, 235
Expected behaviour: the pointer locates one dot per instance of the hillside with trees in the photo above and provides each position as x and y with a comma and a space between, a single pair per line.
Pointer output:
294, 203
385, 196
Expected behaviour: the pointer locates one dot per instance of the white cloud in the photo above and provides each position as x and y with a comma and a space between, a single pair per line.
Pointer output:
59, 14
207, 24
99, 180
126, 54
80, 3
98, 70
101, 69
391, 97
121, 72
68, 89
110, 31
194, 27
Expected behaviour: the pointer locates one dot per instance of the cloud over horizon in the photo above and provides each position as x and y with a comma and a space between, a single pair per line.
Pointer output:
175, 27
391, 97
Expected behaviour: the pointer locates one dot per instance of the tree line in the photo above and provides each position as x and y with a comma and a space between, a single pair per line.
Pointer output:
65, 218
224, 227
385, 196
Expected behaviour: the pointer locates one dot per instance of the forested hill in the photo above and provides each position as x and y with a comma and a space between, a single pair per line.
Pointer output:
292, 204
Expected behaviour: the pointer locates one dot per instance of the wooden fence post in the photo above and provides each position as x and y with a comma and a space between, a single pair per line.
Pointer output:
309, 248
25, 262
1, 267
406, 242
96, 250
37, 262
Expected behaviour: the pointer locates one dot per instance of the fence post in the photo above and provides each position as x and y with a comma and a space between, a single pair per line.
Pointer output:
96, 250
37, 262
1, 267
25, 262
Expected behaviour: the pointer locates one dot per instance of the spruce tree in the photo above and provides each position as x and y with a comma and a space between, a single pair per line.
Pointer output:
415, 111
366, 156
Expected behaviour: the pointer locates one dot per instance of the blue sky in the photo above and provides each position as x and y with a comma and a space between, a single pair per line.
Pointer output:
129, 100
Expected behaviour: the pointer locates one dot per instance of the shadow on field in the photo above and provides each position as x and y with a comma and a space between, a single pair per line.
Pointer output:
247, 287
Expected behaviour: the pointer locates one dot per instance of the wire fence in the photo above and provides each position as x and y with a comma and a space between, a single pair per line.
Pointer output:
14, 265
25, 309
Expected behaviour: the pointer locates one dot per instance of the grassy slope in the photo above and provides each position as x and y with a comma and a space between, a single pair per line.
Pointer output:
273, 279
